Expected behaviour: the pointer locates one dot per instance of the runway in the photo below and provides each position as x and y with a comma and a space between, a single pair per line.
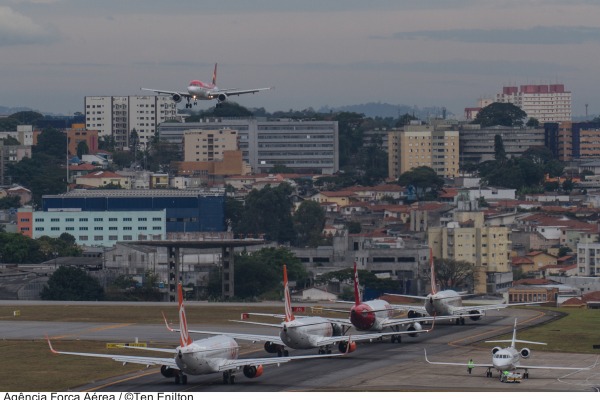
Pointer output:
378, 366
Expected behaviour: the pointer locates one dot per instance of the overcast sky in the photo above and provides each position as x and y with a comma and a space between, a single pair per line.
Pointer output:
315, 52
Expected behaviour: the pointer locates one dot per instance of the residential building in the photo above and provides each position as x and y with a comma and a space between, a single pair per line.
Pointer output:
588, 259
116, 117
208, 145
573, 140
78, 134
11, 154
546, 103
24, 135
103, 178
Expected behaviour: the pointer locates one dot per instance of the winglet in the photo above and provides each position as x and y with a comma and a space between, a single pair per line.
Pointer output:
432, 325
184, 335
289, 315
356, 289
50, 344
426, 359
166, 323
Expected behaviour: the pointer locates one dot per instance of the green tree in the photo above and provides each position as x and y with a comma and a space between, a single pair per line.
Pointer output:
354, 227
350, 136
82, 148
281, 169
533, 123
18, 249
405, 120
10, 202
563, 251
42, 174
52, 143
10, 141
423, 179
568, 185
453, 274
499, 152
27, 117
309, 222
72, 284
504, 114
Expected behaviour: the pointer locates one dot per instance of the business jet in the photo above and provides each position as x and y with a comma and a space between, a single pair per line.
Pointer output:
206, 356
377, 315
509, 358
301, 332
198, 90
448, 303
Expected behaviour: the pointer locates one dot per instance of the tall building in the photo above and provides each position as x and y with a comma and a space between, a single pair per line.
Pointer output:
304, 146
434, 146
117, 116
208, 145
77, 134
546, 103
574, 140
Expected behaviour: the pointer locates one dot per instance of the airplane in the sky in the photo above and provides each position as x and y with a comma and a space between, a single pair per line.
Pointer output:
198, 90
447, 303
508, 358
206, 356
302, 332
377, 315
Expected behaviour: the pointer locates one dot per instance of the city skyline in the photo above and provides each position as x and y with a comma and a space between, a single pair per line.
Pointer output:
325, 53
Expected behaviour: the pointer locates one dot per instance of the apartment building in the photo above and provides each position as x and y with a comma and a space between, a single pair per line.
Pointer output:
546, 103
588, 259
117, 116
77, 134
208, 145
574, 140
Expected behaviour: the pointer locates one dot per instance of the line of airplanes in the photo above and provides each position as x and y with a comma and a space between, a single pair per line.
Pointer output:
219, 353
198, 90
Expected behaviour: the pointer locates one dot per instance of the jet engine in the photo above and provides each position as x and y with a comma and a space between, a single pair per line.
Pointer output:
414, 327
253, 371
222, 97
413, 314
496, 349
176, 97
525, 352
474, 315
271, 347
337, 330
168, 372
342, 346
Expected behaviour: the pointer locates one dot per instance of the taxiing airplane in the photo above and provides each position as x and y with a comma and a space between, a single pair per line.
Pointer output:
508, 358
447, 303
206, 356
303, 332
198, 90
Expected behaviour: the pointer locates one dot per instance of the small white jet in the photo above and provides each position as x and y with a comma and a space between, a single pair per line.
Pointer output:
198, 90
206, 356
303, 332
447, 303
507, 359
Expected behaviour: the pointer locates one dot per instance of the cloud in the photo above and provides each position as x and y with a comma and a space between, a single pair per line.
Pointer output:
18, 29
540, 35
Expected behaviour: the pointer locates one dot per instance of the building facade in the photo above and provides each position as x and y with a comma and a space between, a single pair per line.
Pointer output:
117, 116
574, 140
78, 134
546, 103
208, 145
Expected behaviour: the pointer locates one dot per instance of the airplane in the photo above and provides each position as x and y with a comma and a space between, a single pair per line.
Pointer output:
447, 303
377, 315
198, 90
508, 358
302, 332
200, 357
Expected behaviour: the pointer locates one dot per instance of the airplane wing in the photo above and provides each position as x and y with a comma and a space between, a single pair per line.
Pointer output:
404, 321
243, 336
458, 364
367, 337
546, 367
242, 362
237, 92
182, 94
147, 361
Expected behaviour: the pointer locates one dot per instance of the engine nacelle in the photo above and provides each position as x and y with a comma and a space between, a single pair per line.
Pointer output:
252, 371
496, 349
474, 315
414, 327
168, 372
176, 97
413, 314
336, 330
343, 347
222, 97
271, 347
525, 352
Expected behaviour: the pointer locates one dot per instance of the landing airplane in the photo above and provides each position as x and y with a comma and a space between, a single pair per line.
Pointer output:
508, 358
303, 332
206, 356
377, 315
447, 303
198, 90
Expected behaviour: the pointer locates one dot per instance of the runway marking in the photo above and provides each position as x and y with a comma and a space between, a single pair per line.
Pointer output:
120, 381
98, 329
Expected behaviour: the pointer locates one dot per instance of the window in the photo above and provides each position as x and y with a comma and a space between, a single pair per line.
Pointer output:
83, 219
98, 219
98, 228
55, 228
98, 237
39, 229
83, 228
83, 238
127, 228
54, 219
142, 219
142, 228
127, 219
112, 228
113, 237
127, 237
69, 228
39, 220
112, 219
69, 219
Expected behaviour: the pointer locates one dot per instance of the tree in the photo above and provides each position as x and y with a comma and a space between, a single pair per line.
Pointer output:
423, 179
309, 222
504, 114
499, 152
405, 120
533, 123
16, 248
72, 283
568, 185
10, 202
354, 227
82, 148
281, 169
452, 274
563, 251
52, 143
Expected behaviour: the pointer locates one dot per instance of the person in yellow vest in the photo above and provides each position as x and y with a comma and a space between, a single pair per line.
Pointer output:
470, 365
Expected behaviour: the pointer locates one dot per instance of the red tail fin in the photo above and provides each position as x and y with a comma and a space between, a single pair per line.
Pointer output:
184, 335
214, 79
356, 290
433, 285
289, 315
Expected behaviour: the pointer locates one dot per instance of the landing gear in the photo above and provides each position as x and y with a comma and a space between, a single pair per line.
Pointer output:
460, 321
397, 338
488, 373
283, 353
324, 350
228, 378
181, 379
526, 375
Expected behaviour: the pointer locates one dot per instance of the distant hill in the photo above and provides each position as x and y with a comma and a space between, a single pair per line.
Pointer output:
385, 110
11, 110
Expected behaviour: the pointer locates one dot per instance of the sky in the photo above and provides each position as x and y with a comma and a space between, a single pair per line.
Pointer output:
440, 53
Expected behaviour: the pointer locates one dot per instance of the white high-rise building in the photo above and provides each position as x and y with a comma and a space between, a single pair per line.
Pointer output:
546, 103
118, 116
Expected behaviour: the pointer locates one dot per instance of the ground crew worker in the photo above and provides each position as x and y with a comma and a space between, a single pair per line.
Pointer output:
505, 376
470, 365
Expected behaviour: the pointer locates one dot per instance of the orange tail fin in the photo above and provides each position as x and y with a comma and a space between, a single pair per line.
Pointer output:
433, 285
184, 335
289, 315
214, 79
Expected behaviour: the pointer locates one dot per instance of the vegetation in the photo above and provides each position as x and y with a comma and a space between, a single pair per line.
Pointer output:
425, 181
309, 222
503, 114
125, 288
454, 274
74, 284
366, 278
16, 248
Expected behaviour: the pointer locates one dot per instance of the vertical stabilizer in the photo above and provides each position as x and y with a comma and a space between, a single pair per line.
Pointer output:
214, 79
289, 316
513, 344
184, 335
433, 284
356, 289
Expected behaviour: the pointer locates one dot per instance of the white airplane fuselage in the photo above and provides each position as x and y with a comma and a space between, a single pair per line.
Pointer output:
506, 359
305, 333
202, 91
442, 303
203, 356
